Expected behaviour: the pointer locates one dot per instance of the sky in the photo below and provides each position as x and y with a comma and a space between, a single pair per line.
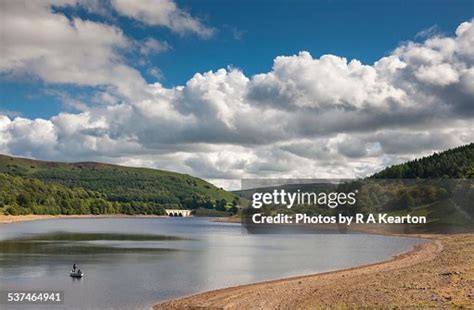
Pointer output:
245, 89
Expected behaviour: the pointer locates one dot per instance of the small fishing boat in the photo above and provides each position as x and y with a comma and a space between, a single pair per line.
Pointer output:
76, 274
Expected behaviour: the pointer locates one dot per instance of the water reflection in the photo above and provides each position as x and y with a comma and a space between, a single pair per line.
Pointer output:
132, 263
66, 243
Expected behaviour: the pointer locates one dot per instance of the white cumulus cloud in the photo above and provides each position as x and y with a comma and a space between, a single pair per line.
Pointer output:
162, 13
308, 117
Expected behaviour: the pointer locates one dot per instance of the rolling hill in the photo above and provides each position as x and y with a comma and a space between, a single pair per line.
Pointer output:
105, 188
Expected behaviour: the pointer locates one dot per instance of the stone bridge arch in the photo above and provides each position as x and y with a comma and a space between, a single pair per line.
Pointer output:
177, 212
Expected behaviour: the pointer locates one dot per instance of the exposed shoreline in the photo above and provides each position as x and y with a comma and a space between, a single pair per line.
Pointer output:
438, 273
9, 219
434, 274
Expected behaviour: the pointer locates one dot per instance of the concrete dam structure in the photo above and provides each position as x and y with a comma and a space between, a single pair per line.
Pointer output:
177, 212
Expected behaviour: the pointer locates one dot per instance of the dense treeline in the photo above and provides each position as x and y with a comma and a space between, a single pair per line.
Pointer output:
94, 188
457, 163
440, 186
409, 195
24, 196
444, 188
123, 185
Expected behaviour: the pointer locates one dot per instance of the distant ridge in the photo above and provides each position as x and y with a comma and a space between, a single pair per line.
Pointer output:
114, 188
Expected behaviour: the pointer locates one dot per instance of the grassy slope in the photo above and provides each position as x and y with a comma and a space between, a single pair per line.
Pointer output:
117, 182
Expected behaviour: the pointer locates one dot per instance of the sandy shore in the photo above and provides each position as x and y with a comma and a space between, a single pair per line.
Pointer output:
438, 273
6, 219
228, 219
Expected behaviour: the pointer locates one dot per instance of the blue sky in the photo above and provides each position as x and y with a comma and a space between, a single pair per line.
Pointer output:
249, 35
225, 90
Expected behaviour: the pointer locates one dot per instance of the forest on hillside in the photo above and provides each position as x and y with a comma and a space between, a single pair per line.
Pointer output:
30, 186
456, 163
20, 196
440, 186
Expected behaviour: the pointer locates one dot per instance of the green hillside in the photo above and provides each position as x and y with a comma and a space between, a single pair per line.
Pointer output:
20, 195
456, 163
122, 189
439, 186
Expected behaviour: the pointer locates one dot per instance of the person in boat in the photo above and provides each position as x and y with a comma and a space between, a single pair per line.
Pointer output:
74, 267
79, 271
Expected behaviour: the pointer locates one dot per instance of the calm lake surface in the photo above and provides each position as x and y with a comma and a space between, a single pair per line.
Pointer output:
132, 263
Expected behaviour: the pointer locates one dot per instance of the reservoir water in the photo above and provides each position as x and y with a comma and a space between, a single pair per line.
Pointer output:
132, 263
